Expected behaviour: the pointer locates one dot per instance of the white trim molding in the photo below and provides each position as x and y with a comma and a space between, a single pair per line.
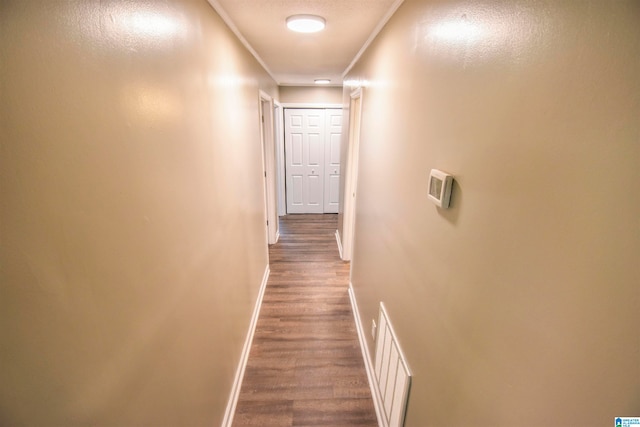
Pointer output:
394, 7
244, 356
307, 105
280, 158
264, 95
351, 174
269, 165
368, 362
227, 20
339, 243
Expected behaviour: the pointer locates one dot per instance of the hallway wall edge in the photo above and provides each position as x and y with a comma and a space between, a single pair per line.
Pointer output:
237, 383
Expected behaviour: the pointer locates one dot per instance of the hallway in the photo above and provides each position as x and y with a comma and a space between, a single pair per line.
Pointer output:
142, 148
305, 366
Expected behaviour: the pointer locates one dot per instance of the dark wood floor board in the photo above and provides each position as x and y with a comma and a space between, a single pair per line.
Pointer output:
333, 412
289, 350
305, 367
262, 413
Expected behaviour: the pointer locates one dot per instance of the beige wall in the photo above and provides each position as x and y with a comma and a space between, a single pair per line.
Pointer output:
519, 305
311, 94
132, 224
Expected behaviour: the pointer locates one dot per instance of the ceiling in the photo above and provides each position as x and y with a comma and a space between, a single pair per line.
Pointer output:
295, 59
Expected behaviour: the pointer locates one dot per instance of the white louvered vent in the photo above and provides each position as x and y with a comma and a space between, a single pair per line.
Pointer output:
392, 373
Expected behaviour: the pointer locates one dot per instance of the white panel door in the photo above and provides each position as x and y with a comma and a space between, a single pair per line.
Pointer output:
304, 153
333, 131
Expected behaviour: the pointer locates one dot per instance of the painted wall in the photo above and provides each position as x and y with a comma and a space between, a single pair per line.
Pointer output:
311, 94
519, 304
132, 223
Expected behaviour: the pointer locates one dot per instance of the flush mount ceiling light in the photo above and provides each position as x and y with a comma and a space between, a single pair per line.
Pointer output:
305, 23
322, 81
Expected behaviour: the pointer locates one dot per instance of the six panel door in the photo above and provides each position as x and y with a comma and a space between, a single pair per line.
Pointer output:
333, 131
304, 154
312, 156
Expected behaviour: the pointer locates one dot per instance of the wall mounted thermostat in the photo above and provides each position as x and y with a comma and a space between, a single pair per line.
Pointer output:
440, 187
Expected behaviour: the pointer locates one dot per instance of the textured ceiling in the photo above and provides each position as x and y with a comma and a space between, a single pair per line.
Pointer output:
298, 59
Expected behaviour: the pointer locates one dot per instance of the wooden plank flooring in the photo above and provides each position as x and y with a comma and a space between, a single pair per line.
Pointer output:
305, 367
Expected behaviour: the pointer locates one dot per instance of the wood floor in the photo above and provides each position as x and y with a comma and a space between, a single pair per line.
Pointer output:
305, 367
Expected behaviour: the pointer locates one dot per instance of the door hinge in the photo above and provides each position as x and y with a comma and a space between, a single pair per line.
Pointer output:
267, 223
265, 174
262, 119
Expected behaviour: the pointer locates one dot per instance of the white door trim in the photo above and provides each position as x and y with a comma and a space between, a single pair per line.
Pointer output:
351, 175
282, 190
265, 105
304, 105
279, 138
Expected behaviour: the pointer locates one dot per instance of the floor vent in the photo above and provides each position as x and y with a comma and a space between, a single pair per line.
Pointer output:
392, 373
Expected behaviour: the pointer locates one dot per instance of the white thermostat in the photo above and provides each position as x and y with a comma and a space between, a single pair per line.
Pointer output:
440, 187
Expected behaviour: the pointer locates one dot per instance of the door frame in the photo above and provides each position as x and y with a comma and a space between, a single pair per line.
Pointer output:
265, 105
278, 115
282, 191
351, 174
305, 105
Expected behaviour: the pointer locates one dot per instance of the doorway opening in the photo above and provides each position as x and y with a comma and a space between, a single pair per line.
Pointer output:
269, 166
278, 137
351, 178
312, 159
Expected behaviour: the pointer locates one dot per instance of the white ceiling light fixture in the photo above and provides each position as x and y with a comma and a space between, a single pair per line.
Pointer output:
306, 23
322, 81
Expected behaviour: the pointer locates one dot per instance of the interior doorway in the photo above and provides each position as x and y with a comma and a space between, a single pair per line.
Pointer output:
278, 137
269, 166
351, 178
312, 159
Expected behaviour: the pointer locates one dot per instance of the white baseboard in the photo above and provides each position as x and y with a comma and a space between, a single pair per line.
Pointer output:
368, 363
237, 383
339, 243
277, 236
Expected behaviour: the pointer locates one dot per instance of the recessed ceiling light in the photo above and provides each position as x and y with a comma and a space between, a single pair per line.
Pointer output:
305, 23
322, 81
